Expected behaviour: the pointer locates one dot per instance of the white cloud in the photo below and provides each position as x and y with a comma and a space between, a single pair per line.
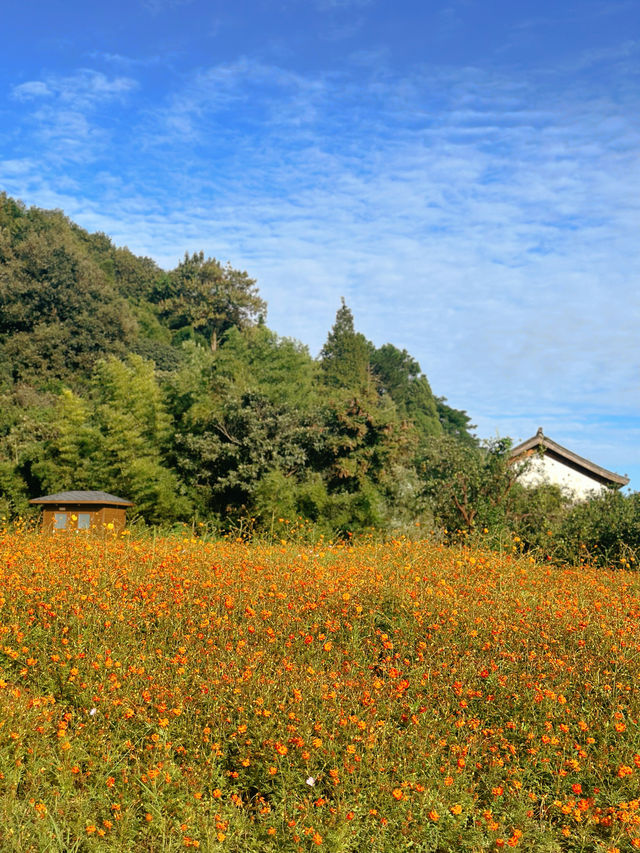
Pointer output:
486, 223
17, 167
123, 61
339, 5
156, 7
31, 89
84, 89
63, 118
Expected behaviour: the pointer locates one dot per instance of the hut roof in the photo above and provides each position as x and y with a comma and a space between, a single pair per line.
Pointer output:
82, 498
541, 443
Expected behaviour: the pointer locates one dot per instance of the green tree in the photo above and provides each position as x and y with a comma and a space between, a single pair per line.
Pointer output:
345, 357
69, 453
227, 445
360, 444
135, 427
455, 422
26, 417
400, 376
256, 359
360, 438
208, 298
116, 440
191, 384
58, 310
464, 485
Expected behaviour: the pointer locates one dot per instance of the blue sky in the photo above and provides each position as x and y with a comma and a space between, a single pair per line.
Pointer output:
465, 174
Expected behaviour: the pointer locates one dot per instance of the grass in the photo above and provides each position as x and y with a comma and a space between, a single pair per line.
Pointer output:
173, 694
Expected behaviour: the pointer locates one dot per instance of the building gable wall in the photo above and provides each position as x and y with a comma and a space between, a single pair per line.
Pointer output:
544, 469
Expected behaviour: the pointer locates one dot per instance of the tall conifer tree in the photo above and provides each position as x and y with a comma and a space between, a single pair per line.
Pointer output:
344, 358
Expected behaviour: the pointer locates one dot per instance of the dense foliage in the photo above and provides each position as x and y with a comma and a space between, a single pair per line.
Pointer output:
169, 389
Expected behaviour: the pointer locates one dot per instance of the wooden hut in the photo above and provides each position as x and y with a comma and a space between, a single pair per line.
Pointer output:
82, 511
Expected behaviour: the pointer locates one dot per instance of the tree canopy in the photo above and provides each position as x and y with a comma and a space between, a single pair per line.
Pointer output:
207, 298
168, 387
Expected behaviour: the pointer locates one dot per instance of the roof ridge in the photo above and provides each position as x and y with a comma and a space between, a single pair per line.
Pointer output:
541, 440
82, 496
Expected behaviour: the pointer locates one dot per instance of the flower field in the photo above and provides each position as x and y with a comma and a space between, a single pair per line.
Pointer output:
157, 695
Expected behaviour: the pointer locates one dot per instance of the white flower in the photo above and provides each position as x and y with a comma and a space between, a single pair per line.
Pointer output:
93, 712
311, 781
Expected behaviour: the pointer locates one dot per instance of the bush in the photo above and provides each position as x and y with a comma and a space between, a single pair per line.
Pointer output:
604, 530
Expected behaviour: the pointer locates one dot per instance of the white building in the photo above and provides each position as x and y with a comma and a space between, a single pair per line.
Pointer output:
553, 464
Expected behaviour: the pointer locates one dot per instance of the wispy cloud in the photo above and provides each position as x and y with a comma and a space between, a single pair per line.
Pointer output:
83, 90
331, 5
64, 113
156, 7
30, 90
487, 222
120, 60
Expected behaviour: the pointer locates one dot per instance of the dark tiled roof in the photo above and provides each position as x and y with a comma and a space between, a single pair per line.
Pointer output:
82, 498
540, 442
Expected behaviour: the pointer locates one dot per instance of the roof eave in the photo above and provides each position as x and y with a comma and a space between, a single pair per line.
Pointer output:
71, 501
588, 467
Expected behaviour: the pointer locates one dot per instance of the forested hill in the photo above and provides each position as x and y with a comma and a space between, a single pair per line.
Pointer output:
169, 388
